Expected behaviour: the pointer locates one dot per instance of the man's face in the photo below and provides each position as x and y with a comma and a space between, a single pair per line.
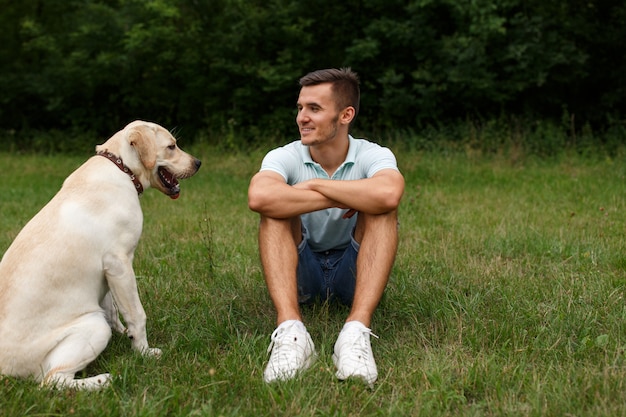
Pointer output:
318, 117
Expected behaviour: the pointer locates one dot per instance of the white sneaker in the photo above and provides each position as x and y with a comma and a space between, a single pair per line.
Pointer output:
292, 351
353, 355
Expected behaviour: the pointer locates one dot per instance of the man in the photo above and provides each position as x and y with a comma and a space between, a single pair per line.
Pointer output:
329, 226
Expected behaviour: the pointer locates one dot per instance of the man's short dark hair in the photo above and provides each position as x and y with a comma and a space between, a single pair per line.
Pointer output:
345, 85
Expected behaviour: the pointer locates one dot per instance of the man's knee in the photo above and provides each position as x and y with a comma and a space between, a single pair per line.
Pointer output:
284, 227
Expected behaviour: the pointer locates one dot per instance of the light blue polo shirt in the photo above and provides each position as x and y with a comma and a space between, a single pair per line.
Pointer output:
326, 229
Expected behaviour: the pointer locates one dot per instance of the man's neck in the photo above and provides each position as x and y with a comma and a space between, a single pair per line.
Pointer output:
331, 155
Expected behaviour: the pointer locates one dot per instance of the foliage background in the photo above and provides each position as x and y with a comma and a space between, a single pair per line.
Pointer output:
221, 69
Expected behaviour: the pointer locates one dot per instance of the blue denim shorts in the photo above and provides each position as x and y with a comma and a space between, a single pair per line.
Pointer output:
328, 275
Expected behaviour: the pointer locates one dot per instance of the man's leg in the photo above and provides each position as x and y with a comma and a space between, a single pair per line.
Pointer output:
278, 241
378, 237
292, 349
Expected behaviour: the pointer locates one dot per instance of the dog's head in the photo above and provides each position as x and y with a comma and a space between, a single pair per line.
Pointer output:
151, 152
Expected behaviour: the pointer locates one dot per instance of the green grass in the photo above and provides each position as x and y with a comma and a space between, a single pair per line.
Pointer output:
506, 299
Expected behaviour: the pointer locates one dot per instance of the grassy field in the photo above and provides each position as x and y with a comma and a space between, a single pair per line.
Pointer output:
507, 297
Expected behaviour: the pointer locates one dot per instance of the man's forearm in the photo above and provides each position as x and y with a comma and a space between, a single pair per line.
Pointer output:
374, 195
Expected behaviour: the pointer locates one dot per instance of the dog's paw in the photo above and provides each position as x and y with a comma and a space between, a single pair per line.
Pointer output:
152, 352
97, 382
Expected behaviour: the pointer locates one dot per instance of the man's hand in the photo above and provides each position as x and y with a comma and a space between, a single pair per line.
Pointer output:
349, 213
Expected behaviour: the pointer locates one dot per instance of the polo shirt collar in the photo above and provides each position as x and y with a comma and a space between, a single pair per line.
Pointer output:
350, 158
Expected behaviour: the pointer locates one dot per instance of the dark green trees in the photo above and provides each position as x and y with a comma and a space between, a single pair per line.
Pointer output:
219, 65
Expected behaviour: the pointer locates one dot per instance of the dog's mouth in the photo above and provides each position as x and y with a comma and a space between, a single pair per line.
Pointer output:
170, 183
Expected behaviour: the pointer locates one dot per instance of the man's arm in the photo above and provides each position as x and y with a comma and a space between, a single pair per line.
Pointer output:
271, 196
376, 195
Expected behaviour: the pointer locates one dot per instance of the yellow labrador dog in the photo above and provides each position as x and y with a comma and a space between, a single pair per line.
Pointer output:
71, 265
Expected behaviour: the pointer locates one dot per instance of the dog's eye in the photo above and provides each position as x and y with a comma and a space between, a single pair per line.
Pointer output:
171, 147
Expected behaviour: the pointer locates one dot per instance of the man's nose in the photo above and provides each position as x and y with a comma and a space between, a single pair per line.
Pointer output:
301, 117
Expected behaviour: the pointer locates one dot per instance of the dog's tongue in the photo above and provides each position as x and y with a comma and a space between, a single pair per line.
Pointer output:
175, 191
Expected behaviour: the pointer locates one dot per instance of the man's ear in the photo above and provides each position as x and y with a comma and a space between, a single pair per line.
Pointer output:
347, 115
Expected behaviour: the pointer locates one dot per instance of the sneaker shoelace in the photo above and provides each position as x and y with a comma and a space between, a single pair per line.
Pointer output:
278, 337
361, 347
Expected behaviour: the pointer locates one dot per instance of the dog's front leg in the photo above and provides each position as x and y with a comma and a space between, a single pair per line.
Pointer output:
123, 285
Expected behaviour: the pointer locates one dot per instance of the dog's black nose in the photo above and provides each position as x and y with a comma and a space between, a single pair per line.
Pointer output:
198, 163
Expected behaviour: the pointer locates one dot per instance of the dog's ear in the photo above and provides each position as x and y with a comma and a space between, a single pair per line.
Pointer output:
141, 138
